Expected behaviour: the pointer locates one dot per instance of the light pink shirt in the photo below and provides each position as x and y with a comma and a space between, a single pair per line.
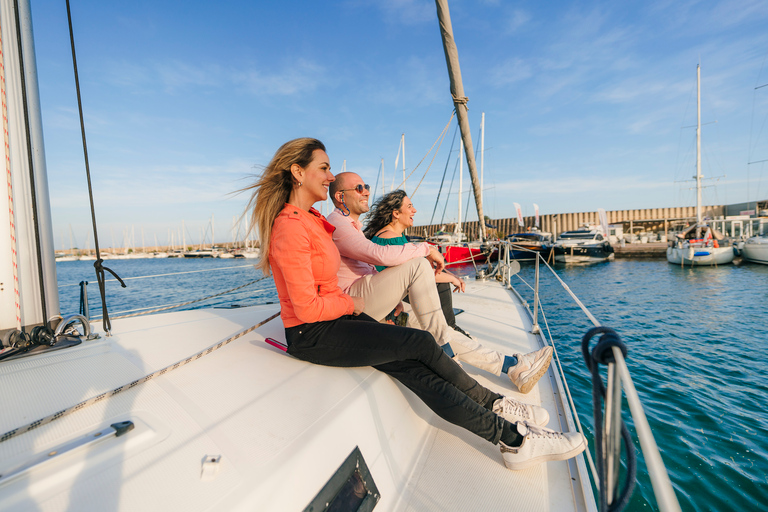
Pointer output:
359, 255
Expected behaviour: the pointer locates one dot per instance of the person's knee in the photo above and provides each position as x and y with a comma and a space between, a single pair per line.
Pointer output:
422, 267
424, 342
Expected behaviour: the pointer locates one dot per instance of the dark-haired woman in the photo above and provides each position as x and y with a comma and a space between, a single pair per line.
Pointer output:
324, 326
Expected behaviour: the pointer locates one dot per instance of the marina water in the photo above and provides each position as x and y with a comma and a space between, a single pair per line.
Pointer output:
697, 341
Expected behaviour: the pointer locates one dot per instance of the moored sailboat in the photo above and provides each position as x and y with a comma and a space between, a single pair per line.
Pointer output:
699, 244
755, 249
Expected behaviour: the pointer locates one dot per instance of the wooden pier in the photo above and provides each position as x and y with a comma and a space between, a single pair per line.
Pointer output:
652, 250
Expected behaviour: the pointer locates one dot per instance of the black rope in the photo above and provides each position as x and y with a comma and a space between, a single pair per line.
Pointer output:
33, 188
98, 263
602, 353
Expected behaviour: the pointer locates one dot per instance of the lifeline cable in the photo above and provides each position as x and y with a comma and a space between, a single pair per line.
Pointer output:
190, 302
108, 394
165, 275
98, 263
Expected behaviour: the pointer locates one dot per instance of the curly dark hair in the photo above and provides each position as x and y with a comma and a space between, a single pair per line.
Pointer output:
381, 212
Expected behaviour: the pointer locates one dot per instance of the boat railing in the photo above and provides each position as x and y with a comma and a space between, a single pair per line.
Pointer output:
84, 309
618, 378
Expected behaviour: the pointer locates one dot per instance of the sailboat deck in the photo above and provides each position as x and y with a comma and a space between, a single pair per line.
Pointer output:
456, 462
282, 426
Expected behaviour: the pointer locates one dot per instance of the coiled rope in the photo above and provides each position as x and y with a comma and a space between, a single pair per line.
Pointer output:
103, 396
602, 353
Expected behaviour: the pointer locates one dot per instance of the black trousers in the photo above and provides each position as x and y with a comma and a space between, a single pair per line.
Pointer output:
409, 355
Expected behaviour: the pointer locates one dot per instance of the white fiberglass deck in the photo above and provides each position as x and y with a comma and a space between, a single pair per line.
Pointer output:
282, 426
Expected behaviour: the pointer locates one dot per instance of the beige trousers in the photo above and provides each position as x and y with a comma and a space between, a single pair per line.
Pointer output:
416, 278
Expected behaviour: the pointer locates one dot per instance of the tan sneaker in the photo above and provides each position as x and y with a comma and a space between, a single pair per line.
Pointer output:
529, 368
541, 445
514, 411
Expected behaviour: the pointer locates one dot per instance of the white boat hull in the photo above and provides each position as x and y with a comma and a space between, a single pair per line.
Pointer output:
700, 256
567, 258
282, 427
755, 250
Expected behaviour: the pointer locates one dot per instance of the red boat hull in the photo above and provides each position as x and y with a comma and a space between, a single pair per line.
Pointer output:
454, 254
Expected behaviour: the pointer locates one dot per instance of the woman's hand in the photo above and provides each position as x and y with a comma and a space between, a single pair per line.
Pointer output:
457, 282
436, 259
359, 305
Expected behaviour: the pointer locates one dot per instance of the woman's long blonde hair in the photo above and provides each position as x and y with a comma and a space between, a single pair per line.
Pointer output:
273, 188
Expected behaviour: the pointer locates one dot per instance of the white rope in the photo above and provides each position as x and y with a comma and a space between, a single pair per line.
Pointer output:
98, 398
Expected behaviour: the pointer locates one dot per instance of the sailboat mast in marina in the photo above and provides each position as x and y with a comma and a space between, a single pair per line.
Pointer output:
699, 245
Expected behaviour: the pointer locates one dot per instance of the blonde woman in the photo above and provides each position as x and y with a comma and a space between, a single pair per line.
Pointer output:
323, 325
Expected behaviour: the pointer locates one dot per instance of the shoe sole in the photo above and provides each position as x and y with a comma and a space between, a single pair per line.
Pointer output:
524, 464
534, 374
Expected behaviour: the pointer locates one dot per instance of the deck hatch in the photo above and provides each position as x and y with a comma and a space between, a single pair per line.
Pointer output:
350, 489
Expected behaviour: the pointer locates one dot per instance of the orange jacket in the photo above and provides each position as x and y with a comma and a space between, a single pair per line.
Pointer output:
304, 262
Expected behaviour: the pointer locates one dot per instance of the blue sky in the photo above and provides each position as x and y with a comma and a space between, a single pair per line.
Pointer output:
588, 104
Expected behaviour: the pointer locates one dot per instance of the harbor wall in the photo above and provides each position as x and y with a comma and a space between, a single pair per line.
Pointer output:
648, 219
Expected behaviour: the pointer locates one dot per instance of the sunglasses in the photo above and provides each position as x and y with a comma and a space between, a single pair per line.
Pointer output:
359, 188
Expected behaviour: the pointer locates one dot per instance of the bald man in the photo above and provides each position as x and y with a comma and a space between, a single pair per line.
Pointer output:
411, 271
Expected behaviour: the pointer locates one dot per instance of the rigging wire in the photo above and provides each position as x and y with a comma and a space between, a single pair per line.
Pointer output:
445, 171
439, 138
100, 268
376, 186
450, 188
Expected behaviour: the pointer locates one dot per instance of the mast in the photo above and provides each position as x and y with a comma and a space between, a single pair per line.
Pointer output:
402, 143
482, 155
460, 102
383, 190
698, 150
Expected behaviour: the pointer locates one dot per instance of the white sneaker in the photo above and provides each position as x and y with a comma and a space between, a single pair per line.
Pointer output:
529, 368
540, 445
514, 411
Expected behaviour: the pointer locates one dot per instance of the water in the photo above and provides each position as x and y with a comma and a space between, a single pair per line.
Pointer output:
696, 340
